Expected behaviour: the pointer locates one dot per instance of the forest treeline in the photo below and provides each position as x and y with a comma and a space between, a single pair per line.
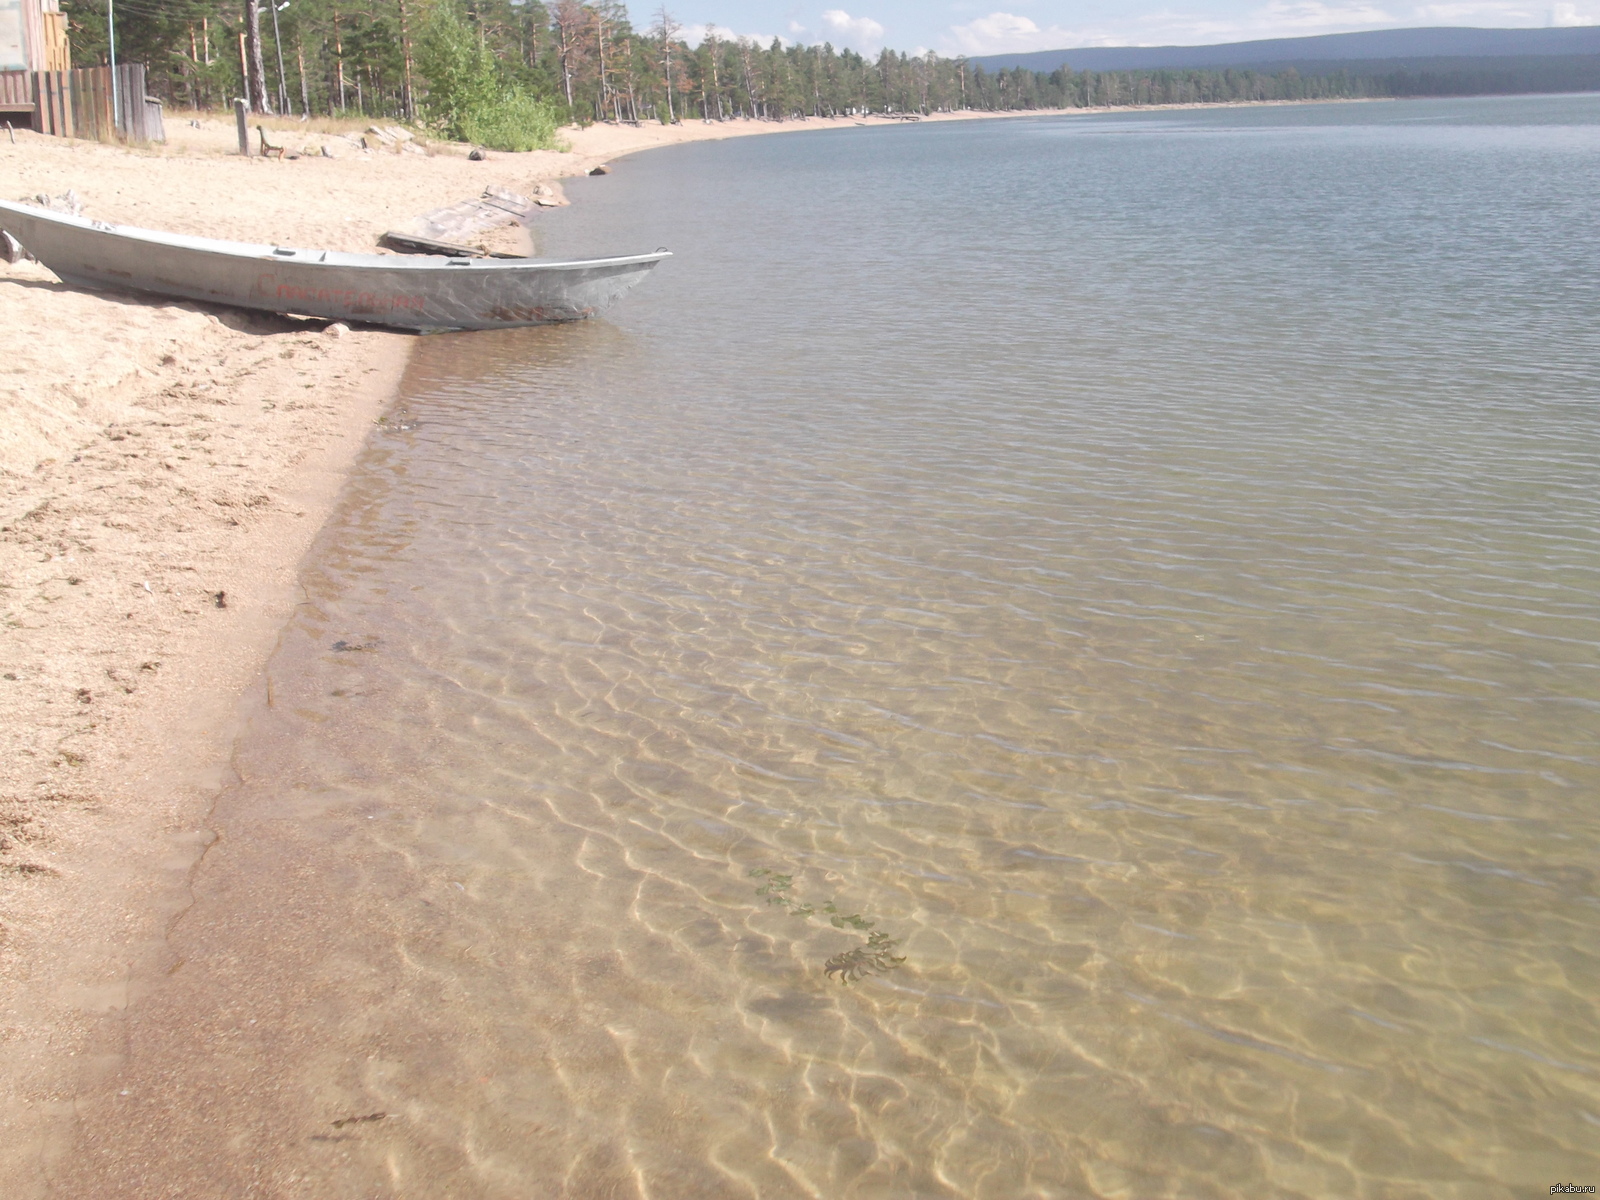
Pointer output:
508, 71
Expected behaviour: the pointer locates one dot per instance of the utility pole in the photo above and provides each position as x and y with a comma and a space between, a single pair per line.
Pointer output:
277, 42
111, 57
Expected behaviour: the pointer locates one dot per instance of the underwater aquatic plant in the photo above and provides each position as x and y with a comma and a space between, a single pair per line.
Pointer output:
776, 891
875, 957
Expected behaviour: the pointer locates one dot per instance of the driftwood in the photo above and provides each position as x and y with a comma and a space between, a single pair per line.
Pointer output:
68, 202
496, 207
520, 207
414, 243
390, 137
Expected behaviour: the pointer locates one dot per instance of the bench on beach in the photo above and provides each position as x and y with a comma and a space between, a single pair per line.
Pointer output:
268, 146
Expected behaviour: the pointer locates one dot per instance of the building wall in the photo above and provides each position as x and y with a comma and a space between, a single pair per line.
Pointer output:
13, 43
32, 42
33, 36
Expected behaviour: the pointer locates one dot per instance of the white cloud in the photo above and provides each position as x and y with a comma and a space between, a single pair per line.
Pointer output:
1506, 15
1007, 33
859, 33
1010, 33
1277, 18
1314, 16
695, 34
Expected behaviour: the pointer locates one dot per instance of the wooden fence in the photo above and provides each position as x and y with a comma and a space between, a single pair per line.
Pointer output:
77, 103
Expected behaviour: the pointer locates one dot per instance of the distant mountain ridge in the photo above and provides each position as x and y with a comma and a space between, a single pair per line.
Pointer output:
1390, 44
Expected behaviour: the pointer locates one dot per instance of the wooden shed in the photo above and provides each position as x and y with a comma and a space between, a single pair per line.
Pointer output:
33, 36
40, 89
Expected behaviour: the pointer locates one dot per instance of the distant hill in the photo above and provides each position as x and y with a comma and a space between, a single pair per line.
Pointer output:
1387, 44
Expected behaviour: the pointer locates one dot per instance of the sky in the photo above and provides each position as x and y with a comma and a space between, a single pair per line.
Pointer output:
952, 27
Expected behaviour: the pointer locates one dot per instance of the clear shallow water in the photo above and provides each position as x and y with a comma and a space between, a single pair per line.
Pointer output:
1148, 564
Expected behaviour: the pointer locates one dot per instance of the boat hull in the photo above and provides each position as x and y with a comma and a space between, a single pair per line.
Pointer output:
421, 292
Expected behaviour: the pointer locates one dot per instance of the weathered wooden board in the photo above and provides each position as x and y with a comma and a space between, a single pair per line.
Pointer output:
496, 207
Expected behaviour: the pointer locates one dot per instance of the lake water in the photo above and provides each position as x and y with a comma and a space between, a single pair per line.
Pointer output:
1148, 565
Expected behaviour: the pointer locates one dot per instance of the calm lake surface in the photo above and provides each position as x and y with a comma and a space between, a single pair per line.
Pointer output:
1149, 565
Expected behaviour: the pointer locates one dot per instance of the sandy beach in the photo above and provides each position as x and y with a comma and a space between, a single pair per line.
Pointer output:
163, 469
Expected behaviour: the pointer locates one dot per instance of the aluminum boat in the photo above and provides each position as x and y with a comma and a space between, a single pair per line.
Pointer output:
407, 292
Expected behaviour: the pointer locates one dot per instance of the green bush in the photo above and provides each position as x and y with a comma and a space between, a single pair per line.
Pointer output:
468, 99
517, 121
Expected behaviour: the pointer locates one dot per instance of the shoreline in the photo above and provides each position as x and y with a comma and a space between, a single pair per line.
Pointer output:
164, 468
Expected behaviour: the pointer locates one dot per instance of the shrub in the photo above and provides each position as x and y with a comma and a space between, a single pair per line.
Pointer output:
516, 121
467, 97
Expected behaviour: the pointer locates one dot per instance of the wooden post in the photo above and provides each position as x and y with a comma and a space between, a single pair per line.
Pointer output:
240, 108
